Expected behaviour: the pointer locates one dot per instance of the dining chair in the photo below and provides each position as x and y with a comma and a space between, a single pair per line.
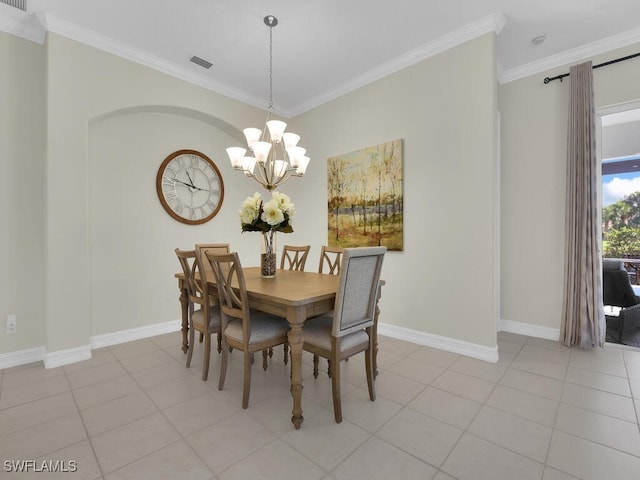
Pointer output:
206, 319
294, 257
210, 247
242, 329
331, 257
349, 330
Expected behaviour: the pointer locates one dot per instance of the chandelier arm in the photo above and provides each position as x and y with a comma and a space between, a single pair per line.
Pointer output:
260, 176
284, 178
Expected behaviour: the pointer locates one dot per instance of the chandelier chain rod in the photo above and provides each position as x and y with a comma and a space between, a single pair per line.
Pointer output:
270, 68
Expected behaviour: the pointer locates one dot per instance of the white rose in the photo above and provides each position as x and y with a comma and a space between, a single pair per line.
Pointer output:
272, 213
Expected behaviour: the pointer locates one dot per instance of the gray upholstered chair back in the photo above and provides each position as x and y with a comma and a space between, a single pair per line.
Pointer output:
616, 287
357, 289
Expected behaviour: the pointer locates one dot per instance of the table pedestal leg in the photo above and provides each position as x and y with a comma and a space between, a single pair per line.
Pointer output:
296, 340
184, 303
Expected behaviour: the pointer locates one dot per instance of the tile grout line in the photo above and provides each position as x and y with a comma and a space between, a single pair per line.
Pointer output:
86, 431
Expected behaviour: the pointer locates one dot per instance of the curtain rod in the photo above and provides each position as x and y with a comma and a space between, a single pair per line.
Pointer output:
622, 59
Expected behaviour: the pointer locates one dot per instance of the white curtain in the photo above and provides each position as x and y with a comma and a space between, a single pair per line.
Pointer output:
583, 321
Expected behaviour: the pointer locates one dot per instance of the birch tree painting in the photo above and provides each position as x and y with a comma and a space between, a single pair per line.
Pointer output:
365, 197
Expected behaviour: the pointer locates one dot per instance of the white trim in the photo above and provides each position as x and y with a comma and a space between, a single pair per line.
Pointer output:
21, 357
491, 23
65, 357
474, 350
78, 354
123, 336
617, 108
45, 22
21, 24
80, 34
528, 329
571, 56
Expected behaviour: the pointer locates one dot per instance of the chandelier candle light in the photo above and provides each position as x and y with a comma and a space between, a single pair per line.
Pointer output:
274, 156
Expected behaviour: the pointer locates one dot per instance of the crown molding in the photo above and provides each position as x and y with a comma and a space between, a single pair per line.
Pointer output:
492, 23
571, 56
115, 47
21, 24
35, 26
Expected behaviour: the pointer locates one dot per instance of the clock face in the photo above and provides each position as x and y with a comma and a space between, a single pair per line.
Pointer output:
190, 187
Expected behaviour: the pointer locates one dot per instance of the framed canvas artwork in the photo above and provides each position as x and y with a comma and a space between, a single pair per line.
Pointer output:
365, 201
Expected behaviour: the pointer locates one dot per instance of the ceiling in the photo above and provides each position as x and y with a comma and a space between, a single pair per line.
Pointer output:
324, 48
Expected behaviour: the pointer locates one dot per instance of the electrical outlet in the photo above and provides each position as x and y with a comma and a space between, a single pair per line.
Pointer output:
12, 324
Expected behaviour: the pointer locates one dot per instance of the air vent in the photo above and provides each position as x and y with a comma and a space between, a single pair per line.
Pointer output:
199, 61
21, 4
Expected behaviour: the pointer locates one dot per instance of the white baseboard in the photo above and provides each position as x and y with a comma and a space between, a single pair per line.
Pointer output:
65, 357
78, 354
21, 357
481, 352
528, 329
123, 336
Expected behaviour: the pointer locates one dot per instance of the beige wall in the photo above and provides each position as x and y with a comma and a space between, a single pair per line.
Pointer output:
131, 238
534, 129
110, 123
22, 173
77, 123
444, 109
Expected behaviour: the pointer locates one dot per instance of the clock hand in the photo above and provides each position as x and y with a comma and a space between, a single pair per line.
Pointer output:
190, 179
193, 184
183, 183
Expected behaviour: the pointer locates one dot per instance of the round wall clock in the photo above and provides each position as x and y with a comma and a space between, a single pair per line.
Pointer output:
190, 187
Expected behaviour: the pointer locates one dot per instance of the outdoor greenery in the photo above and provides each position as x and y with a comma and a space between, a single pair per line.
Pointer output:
621, 228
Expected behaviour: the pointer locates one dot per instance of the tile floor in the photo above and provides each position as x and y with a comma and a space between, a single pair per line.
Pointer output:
135, 412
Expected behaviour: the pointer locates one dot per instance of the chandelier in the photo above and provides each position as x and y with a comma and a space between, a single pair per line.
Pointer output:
273, 155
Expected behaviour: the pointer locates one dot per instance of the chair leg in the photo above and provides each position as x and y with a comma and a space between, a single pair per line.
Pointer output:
265, 360
190, 350
335, 384
207, 357
270, 352
329, 368
316, 359
201, 337
368, 359
219, 342
286, 352
621, 320
247, 380
223, 365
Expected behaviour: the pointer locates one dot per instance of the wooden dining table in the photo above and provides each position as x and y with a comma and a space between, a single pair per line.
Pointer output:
293, 295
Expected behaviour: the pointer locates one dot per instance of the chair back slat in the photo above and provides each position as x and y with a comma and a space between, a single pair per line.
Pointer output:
190, 267
202, 248
294, 257
331, 257
232, 289
357, 289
